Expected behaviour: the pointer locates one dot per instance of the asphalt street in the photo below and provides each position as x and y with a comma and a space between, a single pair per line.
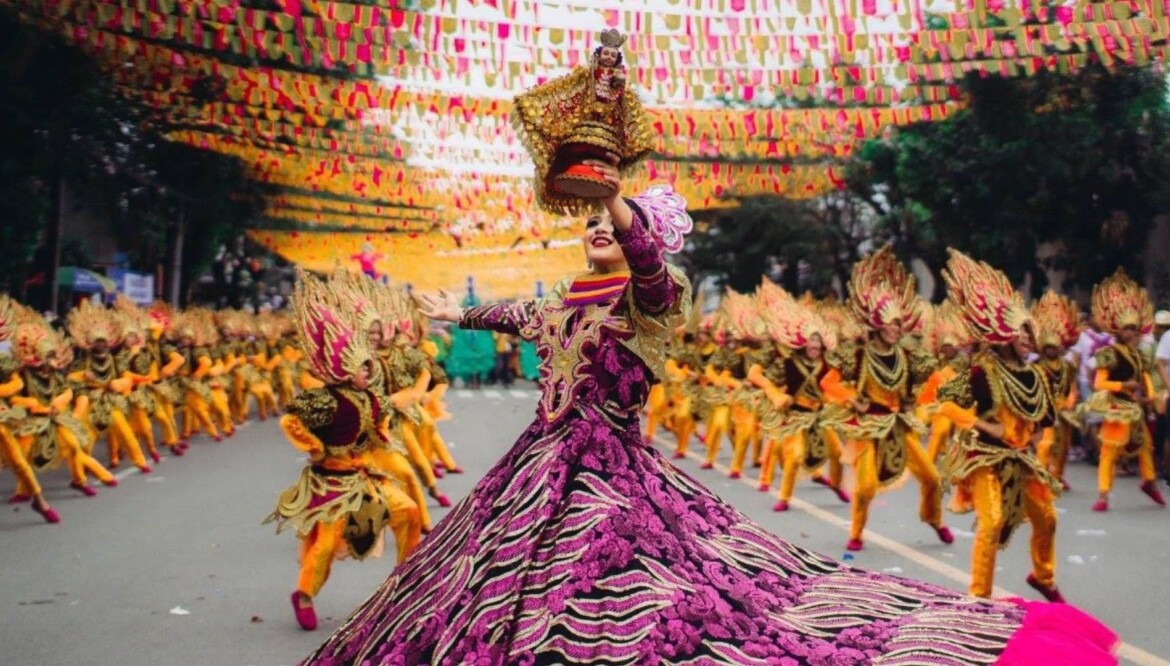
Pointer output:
174, 567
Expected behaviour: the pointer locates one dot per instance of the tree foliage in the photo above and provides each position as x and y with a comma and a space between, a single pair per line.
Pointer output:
1080, 161
65, 120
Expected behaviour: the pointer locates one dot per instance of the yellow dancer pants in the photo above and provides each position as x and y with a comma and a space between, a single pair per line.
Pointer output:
265, 399
772, 457
285, 392
1114, 437
196, 411
164, 415
414, 452
683, 422
657, 410
794, 454
119, 434
1052, 450
717, 426
745, 428
930, 499
76, 459
143, 429
432, 443
13, 456
394, 464
988, 500
221, 413
326, 541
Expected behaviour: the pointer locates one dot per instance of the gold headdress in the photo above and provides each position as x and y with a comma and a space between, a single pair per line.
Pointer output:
89, 324
791, 324
35, 344
332, 335
132, 318
1119, 302
742, 316
161, 318
1057, 321
7, 317
882, 292
839, 320
993, 311
945, 326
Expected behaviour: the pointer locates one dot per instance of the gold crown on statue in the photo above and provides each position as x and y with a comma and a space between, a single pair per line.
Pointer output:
612, 38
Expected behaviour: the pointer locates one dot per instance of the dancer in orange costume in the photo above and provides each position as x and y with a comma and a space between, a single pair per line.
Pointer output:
98, 332
192, 334
12, 454
340, 506
997, 407
165, 364
217, 378
877, 380
136, 362
1123, 384
795, 428
1057, 329
715, 405
946, 333
53, 428
746, 400
433, 409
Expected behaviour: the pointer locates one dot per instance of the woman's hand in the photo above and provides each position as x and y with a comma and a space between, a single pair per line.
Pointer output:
619, 211
443, 306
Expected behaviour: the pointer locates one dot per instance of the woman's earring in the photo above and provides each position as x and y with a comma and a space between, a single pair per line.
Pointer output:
589, 265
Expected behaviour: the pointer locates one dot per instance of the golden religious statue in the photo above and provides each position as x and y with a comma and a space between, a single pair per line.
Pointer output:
589, 113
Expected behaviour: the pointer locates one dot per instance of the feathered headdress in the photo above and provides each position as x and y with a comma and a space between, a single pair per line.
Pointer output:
332, 336
132, 318
882, 292
34, 344
161, 317
945, 326
742, 316
1119, 302
839, 320
993, 311
790, 324
90, 323
1057, 321
7, 317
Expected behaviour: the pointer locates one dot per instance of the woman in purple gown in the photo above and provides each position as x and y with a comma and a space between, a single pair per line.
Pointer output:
584, 546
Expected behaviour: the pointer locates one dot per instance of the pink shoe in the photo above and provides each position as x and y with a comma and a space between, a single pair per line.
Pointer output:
944, 534
303, 609
1064, 485
183, 444
763, 487
114, 464
707, 465
145, 469
442, 499
821, 481
456, 470
782, 505
437, 471
155, 457
218, 438
19, 498
178, 451
1049, 591
84, 489
734, 475
854, 545
47, 513
679, 455
112, 483
1152, 492
1101, 505
843, 495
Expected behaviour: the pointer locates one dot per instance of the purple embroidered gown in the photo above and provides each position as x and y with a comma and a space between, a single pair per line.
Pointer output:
584, 546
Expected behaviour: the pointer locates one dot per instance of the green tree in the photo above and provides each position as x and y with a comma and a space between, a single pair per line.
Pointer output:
1078, 160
